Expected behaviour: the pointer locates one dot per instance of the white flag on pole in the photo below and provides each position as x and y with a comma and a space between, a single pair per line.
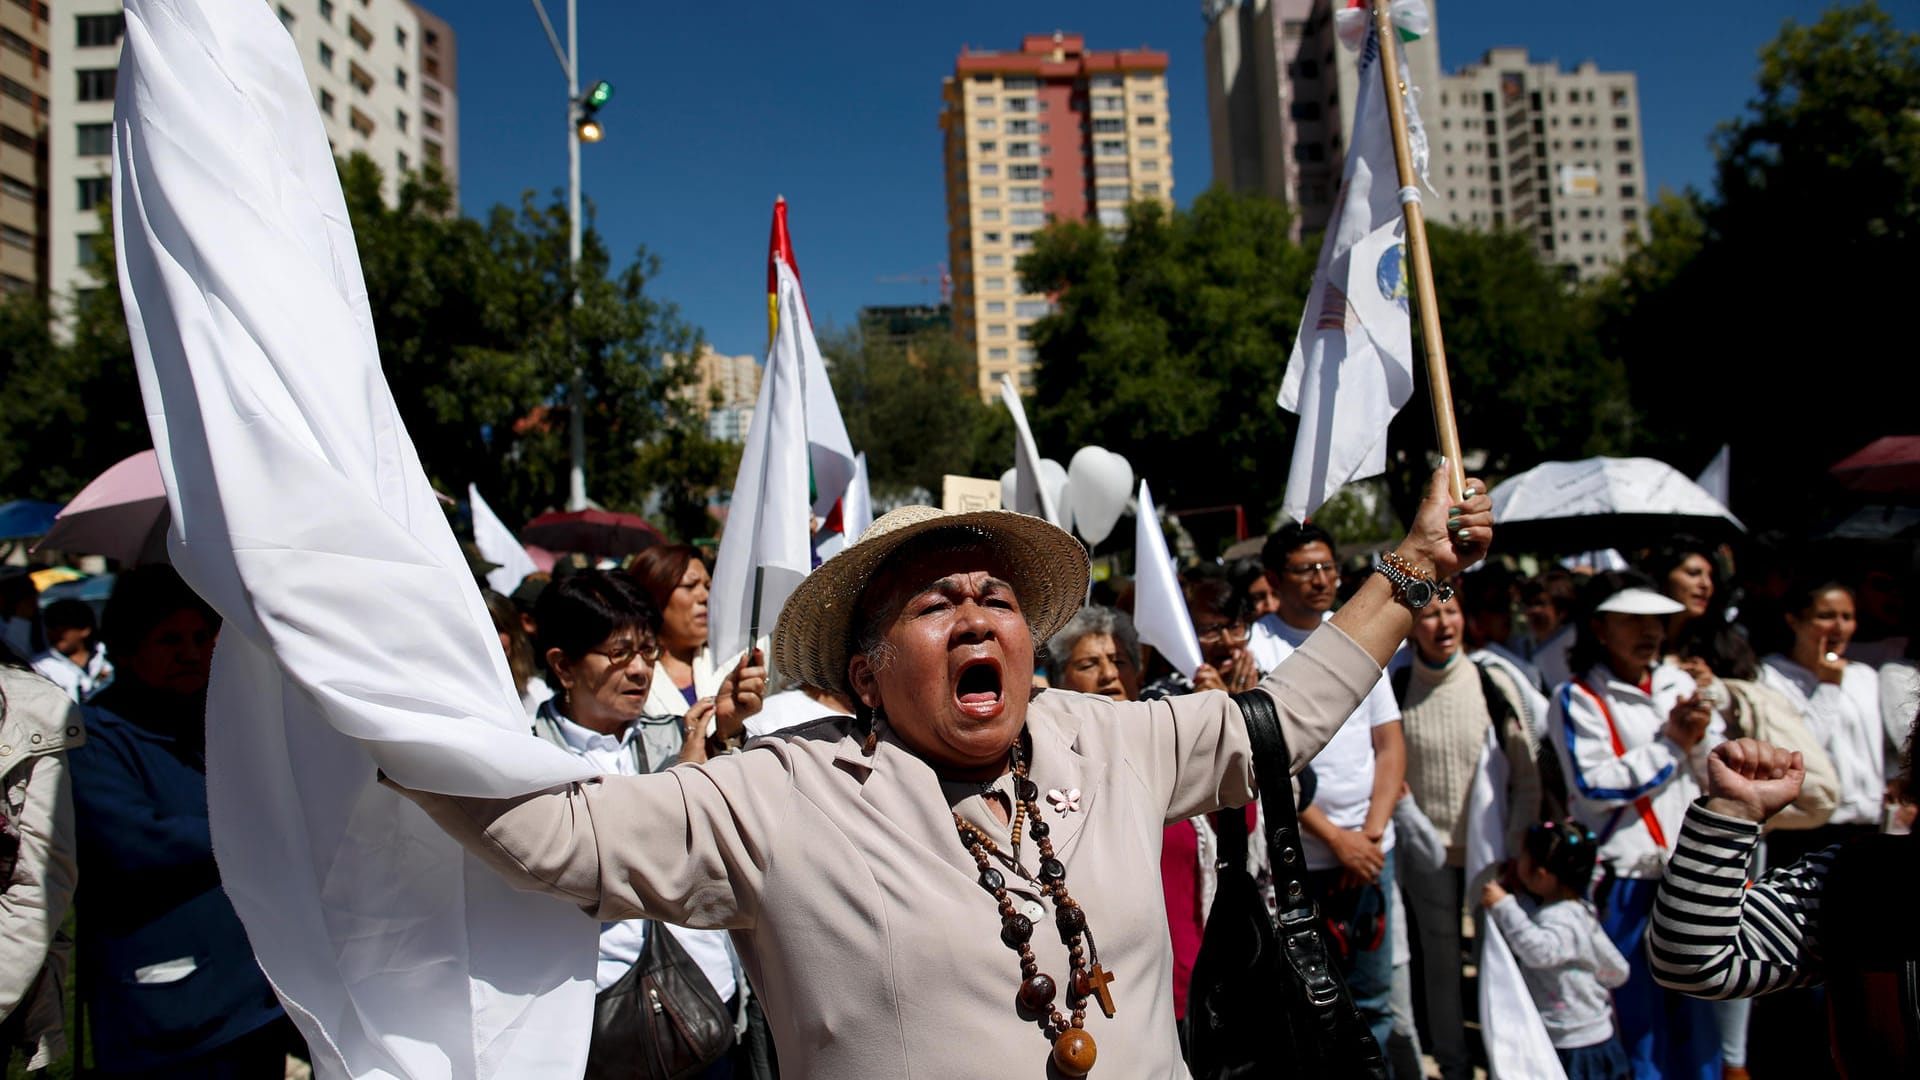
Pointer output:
497, 544
1159, 607
768, 523
301, 513
1352, 364
1031, 488
856, 512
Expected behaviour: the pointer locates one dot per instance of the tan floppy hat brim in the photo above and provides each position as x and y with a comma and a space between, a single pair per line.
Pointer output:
1047, 568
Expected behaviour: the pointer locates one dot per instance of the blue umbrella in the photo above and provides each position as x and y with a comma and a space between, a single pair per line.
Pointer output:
22, 518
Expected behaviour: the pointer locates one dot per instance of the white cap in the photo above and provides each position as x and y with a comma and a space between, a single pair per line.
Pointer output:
1640, 602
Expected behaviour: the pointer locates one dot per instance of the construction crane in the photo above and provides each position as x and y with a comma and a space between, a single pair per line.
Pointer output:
926, 275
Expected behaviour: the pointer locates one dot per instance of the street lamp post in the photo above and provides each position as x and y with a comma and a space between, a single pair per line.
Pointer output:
577, 114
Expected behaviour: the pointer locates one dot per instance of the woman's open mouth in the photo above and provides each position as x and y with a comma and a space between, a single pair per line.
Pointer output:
978, 689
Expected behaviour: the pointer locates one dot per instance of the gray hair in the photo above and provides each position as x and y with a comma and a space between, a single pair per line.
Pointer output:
1092, 619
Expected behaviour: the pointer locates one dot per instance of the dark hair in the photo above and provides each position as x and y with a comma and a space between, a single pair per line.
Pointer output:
659, 569
584, 609
506, 620
143, 598
1564, 849
1556, 585
1244, 572
1668, 557
69, 615
1489, 588
1290, 538
1719, 645
1587, 650
1807, 591
1211, 593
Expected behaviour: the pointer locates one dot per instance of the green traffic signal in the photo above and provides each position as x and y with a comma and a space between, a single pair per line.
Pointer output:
597, 94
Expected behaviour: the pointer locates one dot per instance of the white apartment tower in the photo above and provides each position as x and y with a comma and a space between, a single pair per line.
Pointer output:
362, 57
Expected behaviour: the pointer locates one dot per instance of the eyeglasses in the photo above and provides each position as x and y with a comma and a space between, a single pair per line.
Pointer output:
1311, 570
626, 653
1232, 633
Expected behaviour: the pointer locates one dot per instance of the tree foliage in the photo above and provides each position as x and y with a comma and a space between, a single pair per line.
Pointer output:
913, 407
474, 319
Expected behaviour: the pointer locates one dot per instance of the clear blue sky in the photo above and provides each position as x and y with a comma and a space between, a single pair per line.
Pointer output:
720, 107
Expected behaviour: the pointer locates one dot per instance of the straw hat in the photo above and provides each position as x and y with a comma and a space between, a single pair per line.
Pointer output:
1047, 568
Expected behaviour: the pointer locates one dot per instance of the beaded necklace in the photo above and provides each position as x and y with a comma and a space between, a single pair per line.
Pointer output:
1073, 1048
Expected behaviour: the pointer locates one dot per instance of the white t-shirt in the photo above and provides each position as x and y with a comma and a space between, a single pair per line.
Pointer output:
1846, 719
788, 708
1343, 770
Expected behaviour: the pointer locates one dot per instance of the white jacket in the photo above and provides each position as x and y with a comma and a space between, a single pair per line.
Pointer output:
1845, 717
38, 724
1603, 786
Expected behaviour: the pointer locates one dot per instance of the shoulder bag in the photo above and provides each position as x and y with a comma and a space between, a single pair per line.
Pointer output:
661, 1021
1267, 999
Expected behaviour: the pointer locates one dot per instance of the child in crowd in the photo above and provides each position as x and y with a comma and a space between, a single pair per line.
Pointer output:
1567, 959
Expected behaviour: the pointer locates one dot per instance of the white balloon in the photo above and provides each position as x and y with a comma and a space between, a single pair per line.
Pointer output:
1052, 474
1098, 484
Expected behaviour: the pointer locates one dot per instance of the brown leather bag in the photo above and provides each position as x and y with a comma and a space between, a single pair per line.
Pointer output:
661, 1021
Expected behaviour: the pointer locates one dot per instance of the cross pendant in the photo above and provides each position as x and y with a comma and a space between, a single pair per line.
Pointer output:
1093, 984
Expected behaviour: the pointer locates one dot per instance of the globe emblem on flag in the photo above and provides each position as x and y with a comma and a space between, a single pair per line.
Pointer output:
1392, 275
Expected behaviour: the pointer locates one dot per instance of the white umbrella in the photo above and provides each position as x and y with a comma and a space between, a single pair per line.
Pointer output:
1604, 502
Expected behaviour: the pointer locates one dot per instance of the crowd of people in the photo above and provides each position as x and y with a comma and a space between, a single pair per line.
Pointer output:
1667, 734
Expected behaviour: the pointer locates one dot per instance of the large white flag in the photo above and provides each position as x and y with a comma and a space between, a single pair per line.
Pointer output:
301, 513
497, 544
1159, 607
1510, 1024
1352, 363
1032, 492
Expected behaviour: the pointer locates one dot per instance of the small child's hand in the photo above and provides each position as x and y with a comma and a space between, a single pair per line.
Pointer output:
1491, 894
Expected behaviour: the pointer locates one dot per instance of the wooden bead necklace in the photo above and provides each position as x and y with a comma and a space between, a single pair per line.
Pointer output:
1073, 1048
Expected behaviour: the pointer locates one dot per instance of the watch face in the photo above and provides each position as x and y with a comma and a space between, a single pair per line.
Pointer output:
1418, 593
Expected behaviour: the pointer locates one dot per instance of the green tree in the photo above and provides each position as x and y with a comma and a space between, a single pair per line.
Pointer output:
1167, 345
913, 407
1765, 315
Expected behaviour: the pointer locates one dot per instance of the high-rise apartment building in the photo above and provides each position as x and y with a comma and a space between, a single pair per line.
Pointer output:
1050, 132
364, 59
1519, 144
725, 388
1513, 143
23, 148
1280, 95
439, 104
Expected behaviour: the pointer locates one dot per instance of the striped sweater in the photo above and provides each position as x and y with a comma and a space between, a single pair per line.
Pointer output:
1713, 936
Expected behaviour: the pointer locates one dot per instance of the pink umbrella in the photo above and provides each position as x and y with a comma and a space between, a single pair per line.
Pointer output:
122, 515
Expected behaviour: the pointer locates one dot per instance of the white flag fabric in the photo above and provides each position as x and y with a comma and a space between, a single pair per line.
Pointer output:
1352, 364
1159, 608
1717, 478
856, 513
1031, 490
354, 637
768, 524
497, 544
1517, 1042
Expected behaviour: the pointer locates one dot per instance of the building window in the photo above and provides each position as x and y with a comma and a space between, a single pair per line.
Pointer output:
103, 31
326, 10
1020, 105
990, 217
433, 151
1619, 97
1622, 123
326, 102
358, 31
400, 119
996, 307
1626, 168
20, 45
1143, 99
1150, 165
1024, 194
996, 284
1109, 103
95, 140
1031, 309
993, 262
1110, 170
983, 101
430, 93
96, 84
990, 192
998, 352
1627, 191
1022, 127
1021, 149
997, 330
1628, 213
326, 56
400, 77
94, 190
432, 120
362, 79
1150, 190
990, 238
21, 238
1110, 193
400, 160
1111, 217
1029, 217
1110, 148
989, 169
19, 92
360, 122
985, 123
400, 36
1023, 172
87, 255
19, 189
1019, 82
1109, 125
1022, 241
989, 147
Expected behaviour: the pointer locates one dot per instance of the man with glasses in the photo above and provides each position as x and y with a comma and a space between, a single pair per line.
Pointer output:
1348, 830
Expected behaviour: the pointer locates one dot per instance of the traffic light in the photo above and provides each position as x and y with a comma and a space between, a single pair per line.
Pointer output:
588, 127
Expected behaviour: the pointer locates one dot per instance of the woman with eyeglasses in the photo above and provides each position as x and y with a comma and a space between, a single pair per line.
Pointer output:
1219, 614
600, 634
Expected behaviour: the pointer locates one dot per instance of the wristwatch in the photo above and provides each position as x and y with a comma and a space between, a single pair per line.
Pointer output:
1412, 586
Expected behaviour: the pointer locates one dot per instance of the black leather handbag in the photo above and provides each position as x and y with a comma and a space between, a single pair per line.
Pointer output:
661, 1021
1266, 999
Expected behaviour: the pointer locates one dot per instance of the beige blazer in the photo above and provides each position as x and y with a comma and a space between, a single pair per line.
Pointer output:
856, 909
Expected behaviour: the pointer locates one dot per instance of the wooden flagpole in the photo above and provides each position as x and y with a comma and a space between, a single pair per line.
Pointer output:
1418, 261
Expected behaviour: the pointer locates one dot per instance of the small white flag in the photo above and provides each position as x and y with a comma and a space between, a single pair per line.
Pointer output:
1159, 607
1717, 478
1352, 364
497, 544
1031, 489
